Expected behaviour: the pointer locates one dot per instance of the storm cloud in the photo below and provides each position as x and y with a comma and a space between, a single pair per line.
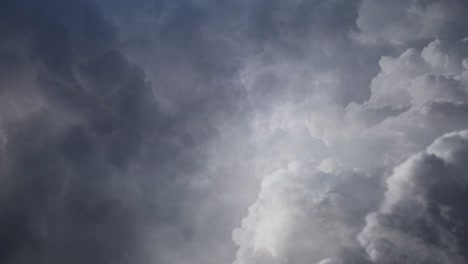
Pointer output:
245, 132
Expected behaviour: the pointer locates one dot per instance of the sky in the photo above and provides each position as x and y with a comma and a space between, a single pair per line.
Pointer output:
233, 132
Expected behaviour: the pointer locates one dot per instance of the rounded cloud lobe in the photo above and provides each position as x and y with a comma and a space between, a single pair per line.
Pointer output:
423, 217
305, 215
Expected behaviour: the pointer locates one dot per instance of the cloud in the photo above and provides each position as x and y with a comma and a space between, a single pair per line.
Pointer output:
76, 118
304, 214
146, 132
405, 22
418, 95
422, 218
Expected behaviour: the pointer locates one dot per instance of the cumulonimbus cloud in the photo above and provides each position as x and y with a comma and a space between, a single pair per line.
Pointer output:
206, 132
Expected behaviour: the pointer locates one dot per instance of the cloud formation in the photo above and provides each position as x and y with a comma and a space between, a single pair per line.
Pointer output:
76, 116
422, 218
419, 94
245, 132
307, 213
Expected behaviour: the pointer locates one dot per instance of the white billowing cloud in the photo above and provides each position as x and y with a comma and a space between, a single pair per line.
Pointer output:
416, 77
306, 213
415, 98
404, 95
423, 216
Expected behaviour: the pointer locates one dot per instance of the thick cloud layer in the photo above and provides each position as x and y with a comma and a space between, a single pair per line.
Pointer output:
79, 127
246, 132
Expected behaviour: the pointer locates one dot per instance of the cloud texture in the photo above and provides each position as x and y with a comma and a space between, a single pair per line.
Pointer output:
422, 218
244, 132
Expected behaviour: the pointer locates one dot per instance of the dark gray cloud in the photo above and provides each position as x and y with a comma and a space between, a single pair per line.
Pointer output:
76, 119
96, 167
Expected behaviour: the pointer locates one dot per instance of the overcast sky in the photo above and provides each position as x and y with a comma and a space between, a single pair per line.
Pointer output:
233, 132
